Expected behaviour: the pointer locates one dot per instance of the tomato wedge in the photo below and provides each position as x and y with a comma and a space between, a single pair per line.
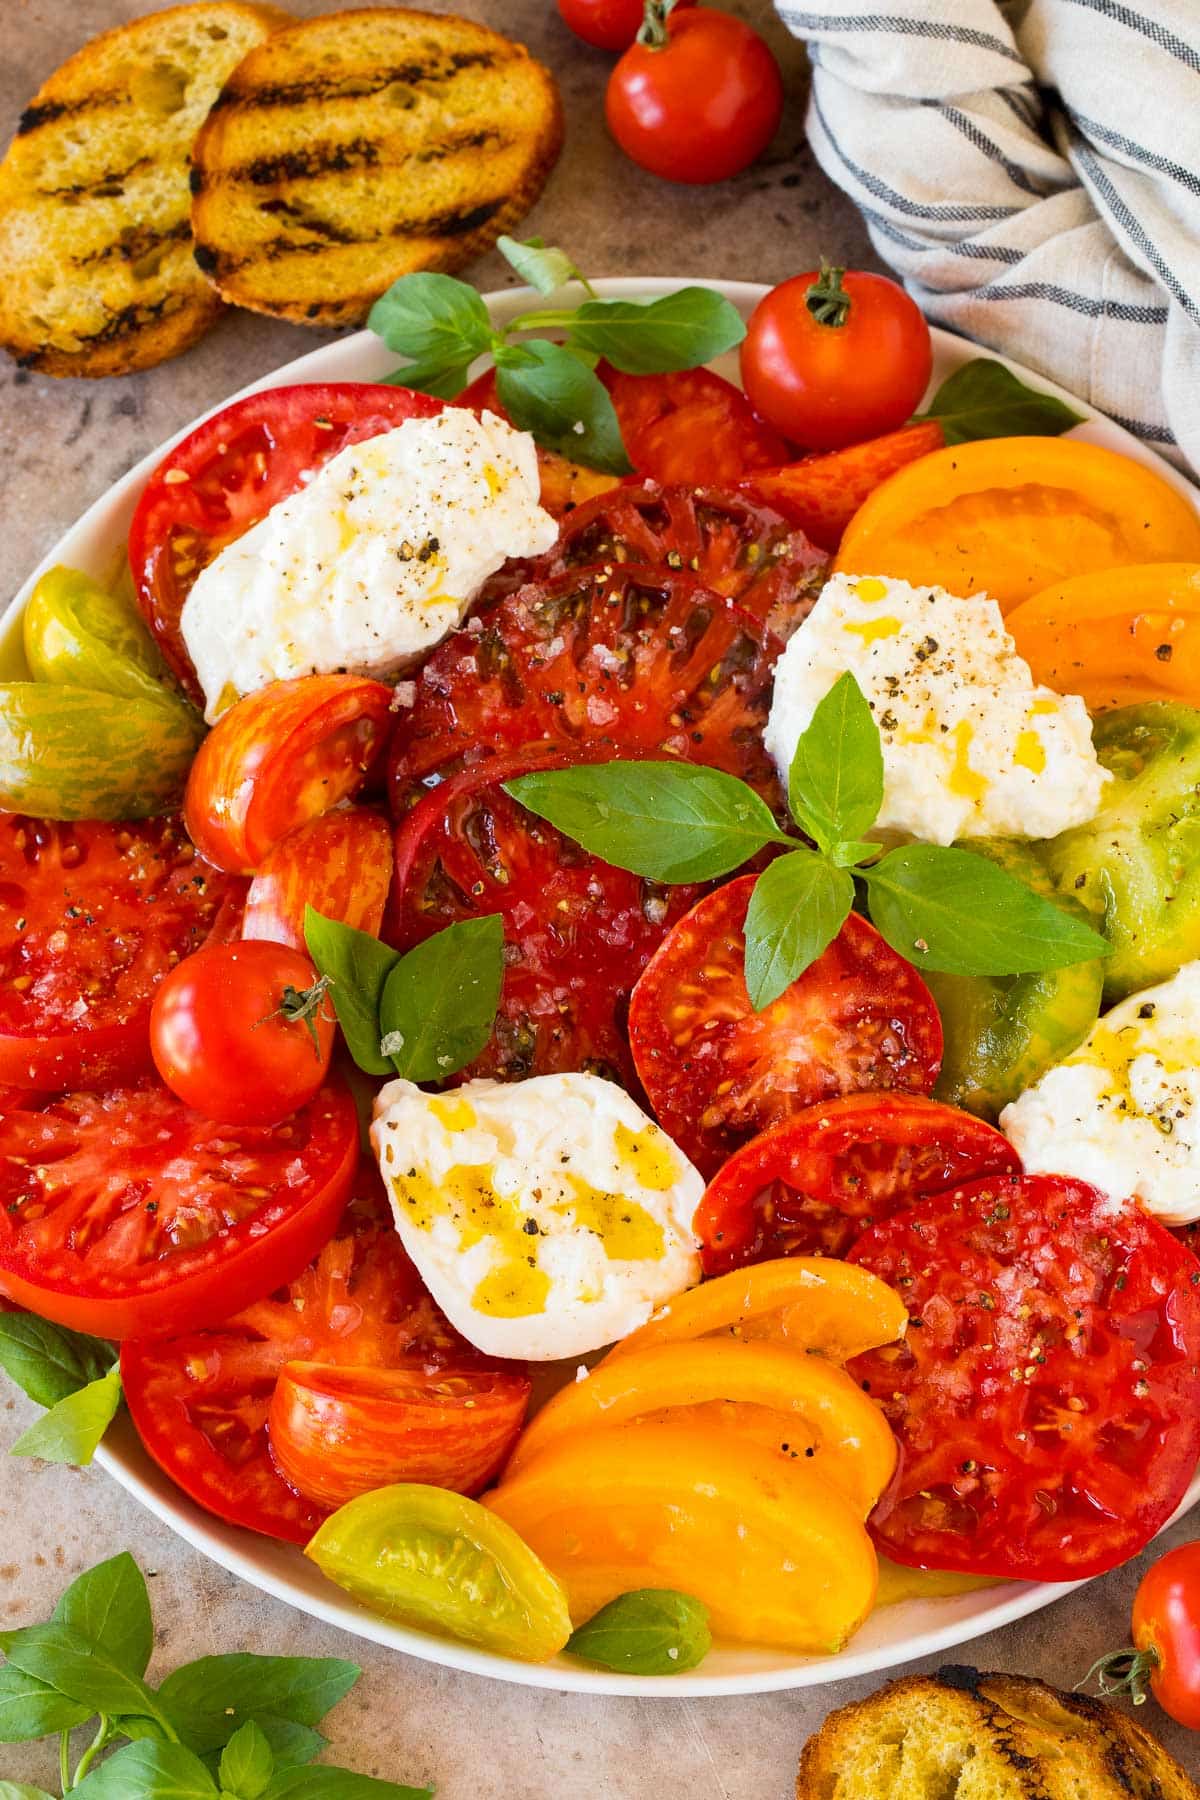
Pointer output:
91, 918
1119, 637
230, 471
201, 1401
691, 426
859, 1019
124, 1213
577, 932
643, 661
821, 494
340, 863
1047, 1403
812, 1185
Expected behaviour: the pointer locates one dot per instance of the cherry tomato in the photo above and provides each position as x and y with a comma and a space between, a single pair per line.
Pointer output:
811, 1186
230, 471
1166, 1636
605, 24
91, 918
821, 494
859, 1019
125, 1213
1046, 1397
278, 758
830, 358
340, 863
699, 103
240, 1032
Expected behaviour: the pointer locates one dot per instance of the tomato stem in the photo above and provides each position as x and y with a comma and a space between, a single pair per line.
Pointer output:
826, 298
1125, 1671
652, 33
301, 1006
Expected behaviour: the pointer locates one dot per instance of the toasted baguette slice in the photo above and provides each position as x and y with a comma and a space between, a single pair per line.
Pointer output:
960, 1735
355, 148
96, 269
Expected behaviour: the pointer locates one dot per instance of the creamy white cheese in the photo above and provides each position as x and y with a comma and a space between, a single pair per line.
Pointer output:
547, 1217
972, 746
371, 563
1123, 1111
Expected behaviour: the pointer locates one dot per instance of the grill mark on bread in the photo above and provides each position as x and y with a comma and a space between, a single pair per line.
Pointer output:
133, 245
348, 86
107, 186
129, 322
316, 160
436, 225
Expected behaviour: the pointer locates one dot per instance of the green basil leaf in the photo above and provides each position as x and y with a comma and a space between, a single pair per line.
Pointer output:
357, 966
546, 390
439, 1002
323, 1783
148, 1771
30, 1708
209, 1699
445, 379
798, 906
110, 1607
983, 399
665, 821
683, 330
653, 1631
70, 1431
247, 1763
18, 1790
835, 784
432, 318
48, 1361
292, 1745
949, 909
540, 264
78, 1668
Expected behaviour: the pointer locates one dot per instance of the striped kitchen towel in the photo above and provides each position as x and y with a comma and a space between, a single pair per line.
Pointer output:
1032, 169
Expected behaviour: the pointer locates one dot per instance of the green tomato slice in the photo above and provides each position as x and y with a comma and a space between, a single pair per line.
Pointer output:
79, 635
429, 1557
76, 753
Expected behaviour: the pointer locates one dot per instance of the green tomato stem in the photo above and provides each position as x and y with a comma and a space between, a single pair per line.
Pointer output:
826, 298
652, 33
1125, 1671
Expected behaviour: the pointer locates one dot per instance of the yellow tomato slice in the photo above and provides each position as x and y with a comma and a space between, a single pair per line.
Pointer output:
1116, 636
1011, 516
774, 1553
812, 1302
795, 1405
897, 1583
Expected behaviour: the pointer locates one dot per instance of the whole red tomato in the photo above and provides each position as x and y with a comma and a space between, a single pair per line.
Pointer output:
606, 24
239, 1032
830, 357
1166, 1639
697, 97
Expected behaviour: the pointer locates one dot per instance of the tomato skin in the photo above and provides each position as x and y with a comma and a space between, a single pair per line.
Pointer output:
1166, 1622
1119, 638
340, 863
605, 24
221, 1042
278, 758
829, 385
691, 426
700, 107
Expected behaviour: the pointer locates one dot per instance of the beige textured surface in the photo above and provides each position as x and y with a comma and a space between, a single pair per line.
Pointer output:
61, 444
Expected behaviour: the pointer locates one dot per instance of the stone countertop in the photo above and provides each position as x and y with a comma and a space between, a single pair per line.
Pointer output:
61, 444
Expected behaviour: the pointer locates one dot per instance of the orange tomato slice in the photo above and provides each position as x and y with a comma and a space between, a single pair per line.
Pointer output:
1117, 636
795, 1405
812, 1302
1011, 516
775, 1554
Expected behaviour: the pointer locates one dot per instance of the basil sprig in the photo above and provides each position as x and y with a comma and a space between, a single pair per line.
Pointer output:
547, 387
942, 908
76, 1378
652, 1631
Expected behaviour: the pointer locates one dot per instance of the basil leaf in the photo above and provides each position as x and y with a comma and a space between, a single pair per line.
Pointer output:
291, 1745
546, 390
983, 399
246, 1762
666, 821
357, 966
439, 1002
17, 1790
81, 1670
209, 1699
110, 1607
948, 909
543, 266
652, 337
835, 784
323, 1783
653, 1631
48, 1361
432, 318
148, 1771
70, 1431
30, 1708
445, 379
798, 906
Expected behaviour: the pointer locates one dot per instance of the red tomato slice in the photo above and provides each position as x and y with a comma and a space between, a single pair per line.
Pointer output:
859, 1019
821, 494
811, 1186
1047, 1396
691, 426
230, 472
645, 662
339, 862
200, 1402
125, 1213
577, 932
337, 1433
91, 918
282, 756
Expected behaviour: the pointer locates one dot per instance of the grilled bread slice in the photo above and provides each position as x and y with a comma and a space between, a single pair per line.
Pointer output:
357, 147
960, 1735
96, 269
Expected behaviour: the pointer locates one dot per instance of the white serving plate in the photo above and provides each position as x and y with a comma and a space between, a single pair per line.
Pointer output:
894, 1634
